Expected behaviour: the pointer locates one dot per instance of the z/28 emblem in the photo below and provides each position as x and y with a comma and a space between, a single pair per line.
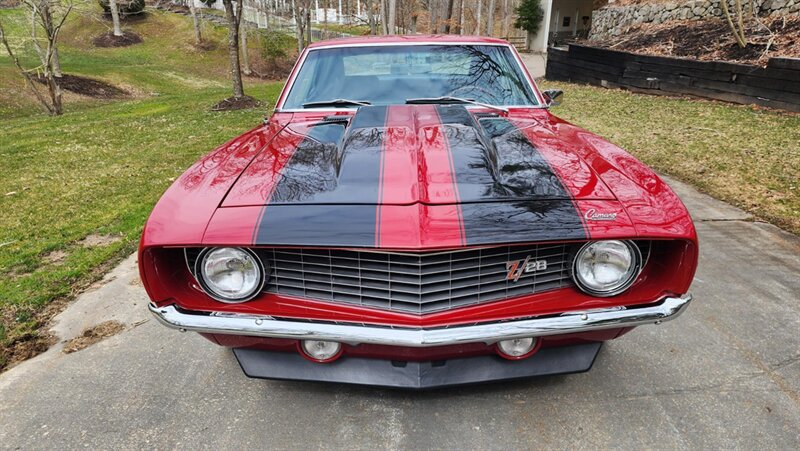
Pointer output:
519, 267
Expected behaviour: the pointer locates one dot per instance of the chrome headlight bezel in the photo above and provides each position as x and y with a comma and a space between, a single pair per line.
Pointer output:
631, 275
200, 275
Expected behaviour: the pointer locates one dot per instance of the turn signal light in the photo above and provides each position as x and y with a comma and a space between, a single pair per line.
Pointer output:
517, 348
321, 351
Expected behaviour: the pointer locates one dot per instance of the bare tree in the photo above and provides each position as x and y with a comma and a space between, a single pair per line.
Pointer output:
325, 6
391, 17
384, 21
433, 15
506, 19
737, 26
298, 21
56, 63
233, 18
490, 19
478, 18
112, 4
43, 12
198, 39
308, 21
461, 18
245, 56
448, 16
373, 26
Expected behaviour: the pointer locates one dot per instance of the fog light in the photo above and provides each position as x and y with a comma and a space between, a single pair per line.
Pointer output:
321, 351
517, 348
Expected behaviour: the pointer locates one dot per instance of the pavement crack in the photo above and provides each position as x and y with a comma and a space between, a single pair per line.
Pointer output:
726, 220
776, 378
785, 363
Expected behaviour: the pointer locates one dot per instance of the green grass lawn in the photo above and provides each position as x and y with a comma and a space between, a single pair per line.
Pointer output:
749, 157
99, 168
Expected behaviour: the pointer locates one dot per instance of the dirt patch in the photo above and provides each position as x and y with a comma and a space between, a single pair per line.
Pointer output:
56, 257
204, 46
27, 349
236, 103
9, 3
712, 40
87, 87
275, 70
109, 40
95, 240
178, 9
93, 335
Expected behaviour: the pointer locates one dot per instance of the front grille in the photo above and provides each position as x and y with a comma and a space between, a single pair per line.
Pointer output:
413, 282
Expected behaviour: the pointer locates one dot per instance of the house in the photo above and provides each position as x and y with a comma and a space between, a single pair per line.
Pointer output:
563, 20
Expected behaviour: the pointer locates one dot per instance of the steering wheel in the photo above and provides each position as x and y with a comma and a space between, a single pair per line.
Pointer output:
469, 91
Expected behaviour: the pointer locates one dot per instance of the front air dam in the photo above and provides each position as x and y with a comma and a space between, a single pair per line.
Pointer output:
417, 375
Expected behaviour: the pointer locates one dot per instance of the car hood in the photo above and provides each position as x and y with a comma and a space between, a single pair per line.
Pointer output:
417, 177
405, 155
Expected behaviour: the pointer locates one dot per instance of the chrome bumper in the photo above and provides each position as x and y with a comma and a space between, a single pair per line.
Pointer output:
567, 323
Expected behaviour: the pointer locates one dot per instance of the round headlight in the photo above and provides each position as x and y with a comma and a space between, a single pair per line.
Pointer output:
230, 274
606, 268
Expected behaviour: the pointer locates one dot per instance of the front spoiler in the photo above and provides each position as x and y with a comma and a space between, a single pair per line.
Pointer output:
566, 323
417, 375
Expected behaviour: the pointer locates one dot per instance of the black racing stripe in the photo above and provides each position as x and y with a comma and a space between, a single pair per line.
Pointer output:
318, 225
509, 192
334, 164
521, 221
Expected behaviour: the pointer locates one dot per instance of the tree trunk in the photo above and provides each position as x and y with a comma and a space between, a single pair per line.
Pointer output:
384, 22
433, 16
115, 17
738, 33
298, 27
448, 15
55, 94
490, 19
47, 21
392, 22
507, 18
478, 19
55, 62
461, 18
233, 44
325, 18
308, 22
373, 27
245, 55
198, 39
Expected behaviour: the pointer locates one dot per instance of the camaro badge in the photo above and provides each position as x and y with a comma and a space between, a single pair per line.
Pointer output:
519, 267
594, 215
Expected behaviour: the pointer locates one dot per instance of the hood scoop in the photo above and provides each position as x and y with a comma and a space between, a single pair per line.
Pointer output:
399, 155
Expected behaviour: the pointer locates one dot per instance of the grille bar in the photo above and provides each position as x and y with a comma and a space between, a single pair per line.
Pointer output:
413, 282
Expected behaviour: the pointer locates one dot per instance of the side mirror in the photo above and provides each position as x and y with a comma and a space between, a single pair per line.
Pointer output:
553, 97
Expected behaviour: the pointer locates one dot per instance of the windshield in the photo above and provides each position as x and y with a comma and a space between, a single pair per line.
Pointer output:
390, 75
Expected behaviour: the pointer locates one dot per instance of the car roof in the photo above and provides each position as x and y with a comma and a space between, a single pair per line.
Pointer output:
408, 39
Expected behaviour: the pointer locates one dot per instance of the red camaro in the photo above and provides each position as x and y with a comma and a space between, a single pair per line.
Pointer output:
412, 215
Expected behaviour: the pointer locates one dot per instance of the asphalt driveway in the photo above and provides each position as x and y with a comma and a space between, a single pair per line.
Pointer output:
724, 375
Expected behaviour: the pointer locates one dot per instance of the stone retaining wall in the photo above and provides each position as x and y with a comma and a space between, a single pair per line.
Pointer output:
615, 20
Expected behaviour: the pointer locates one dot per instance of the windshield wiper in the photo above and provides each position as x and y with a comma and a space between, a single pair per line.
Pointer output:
336, 102
450, 99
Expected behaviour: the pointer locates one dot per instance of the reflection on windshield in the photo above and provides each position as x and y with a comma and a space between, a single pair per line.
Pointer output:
388, 75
